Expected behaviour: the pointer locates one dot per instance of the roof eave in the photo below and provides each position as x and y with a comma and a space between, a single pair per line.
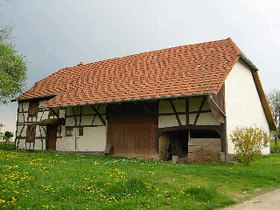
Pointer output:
247, 61
134, 100
35, 98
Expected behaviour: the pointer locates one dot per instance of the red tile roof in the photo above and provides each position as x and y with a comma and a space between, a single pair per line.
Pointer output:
184, 70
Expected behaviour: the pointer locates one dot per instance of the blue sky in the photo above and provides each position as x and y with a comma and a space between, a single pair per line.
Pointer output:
54, 34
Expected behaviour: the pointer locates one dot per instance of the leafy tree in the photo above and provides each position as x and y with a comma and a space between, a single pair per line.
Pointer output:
1, 134
274, 102
248, 141
7, 137
12, 67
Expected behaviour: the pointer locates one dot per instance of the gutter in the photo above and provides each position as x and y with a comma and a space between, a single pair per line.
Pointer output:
247, 61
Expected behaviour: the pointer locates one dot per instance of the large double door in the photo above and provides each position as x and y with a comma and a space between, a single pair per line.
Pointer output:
132, 129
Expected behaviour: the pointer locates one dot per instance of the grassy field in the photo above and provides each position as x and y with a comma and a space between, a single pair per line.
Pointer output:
47, 180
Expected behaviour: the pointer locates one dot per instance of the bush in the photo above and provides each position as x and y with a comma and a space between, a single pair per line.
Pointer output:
274, 148
248, 141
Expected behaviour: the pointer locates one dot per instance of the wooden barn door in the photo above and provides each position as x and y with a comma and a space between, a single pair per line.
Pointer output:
51, 137
132, 129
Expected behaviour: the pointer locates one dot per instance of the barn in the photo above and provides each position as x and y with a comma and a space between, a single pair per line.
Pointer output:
157, 104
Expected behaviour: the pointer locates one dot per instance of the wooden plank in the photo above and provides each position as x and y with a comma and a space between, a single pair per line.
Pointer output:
199, 110
176, 114
132, 131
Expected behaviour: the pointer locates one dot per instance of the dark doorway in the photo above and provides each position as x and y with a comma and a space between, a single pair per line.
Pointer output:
173, 143
178, 144
51, 137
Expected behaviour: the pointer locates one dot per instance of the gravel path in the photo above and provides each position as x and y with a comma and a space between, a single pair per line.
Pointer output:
266, 201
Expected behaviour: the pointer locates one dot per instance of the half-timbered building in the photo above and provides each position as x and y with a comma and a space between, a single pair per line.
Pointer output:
156, 104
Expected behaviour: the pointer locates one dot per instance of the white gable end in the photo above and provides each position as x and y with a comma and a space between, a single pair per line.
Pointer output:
242, 102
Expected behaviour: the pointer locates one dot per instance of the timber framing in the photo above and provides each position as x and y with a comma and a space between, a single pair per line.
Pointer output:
217, 128
175, 112
199, 110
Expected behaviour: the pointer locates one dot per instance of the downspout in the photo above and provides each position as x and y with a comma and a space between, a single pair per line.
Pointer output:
224, 129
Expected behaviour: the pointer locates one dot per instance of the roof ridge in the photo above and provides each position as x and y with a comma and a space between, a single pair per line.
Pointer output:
235, 47
158, 50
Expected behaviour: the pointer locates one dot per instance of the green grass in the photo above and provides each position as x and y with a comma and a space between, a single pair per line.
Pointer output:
47, 180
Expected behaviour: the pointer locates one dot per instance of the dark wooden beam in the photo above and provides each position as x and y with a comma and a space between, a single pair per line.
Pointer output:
98, 114
57, 115
73, 126
21, 131
217, 128
202, 111
80, 120
199, 110
94, 115
176, 114
89, 115
74, 114
23, 112
187, 105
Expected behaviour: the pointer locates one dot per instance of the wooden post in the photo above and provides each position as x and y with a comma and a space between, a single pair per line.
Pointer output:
224, 138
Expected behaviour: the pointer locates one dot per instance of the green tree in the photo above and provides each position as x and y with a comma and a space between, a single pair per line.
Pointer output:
12, 67
1, 133
8, 135
274, 102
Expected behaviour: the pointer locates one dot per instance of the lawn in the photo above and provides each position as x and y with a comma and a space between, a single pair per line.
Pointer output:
49, 180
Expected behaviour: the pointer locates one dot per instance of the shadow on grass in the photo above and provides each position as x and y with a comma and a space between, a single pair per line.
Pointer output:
208, 195
7, 147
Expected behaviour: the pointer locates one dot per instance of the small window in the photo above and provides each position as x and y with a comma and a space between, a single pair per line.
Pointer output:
81, 131
69, 131
204, 134
33, 108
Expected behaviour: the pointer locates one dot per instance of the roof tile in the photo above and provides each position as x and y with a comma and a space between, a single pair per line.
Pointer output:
182, 70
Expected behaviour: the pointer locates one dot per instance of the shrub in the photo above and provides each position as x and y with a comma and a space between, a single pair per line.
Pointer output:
274, 148
248, 141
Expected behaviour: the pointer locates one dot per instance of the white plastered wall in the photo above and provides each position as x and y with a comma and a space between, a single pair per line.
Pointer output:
171, 120
94, 138
243, 105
